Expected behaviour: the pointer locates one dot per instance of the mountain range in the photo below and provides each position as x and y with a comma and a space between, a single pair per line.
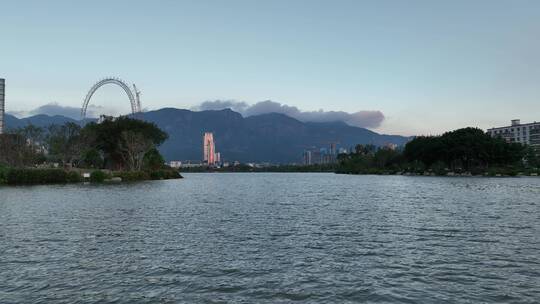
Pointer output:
271, 137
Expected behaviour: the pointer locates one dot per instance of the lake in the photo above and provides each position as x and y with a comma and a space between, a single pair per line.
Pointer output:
273, 238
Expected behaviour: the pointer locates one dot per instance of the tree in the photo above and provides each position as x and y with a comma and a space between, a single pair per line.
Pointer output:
16, 152
33, 134
365, 149
123, 142
133, 146
65, 142
153, 160
91, 158
464, 149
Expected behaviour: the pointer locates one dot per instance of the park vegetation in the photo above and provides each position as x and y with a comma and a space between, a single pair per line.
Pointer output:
122, 148
467, 151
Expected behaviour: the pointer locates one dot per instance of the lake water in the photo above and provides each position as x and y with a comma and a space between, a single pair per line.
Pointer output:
273, 238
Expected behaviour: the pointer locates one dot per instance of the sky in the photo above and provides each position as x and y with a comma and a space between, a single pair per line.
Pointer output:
396, 67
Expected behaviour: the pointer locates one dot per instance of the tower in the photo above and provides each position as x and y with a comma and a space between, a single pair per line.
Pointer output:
2, 103
209, 148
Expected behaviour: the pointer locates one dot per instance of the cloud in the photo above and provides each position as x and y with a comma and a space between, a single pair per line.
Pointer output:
54, 108
237, 106
364, 119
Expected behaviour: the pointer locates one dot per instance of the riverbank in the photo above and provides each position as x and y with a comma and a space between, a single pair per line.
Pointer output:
492, 172
33, 176
328, 168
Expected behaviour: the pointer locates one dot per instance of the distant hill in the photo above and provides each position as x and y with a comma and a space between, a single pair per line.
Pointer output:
41, 120
270, 137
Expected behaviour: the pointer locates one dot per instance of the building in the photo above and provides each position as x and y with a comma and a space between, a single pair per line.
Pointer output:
307, 158
320, 156
209, 148
2, 103
527, 134
175, 164
210, 156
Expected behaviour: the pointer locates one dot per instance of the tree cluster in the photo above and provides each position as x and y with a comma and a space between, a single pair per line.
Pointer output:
462, 150
119, 144
467, 149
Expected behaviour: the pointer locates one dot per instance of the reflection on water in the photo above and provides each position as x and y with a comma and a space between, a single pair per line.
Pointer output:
271, 238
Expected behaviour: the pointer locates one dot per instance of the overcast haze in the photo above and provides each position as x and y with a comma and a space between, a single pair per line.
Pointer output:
400, 67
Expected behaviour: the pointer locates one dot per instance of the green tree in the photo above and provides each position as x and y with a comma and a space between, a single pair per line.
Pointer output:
123, 142
65, 143
153, 160
15, 151
91, 158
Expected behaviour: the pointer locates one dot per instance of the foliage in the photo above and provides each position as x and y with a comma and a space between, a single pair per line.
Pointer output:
91, 158
133, 146
165, 174
153, 160
15, 151
65, 142
145, 175
36, 176
124, 142
73, 177
98, 176
464, 150
33, 134
131, 176
3, 174
369, 160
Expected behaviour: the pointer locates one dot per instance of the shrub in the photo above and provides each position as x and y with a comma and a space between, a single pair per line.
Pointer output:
3, 174
165, 174
36, 176
131, 176
153, 160
98, 176
92, 159
74, 177
439, 168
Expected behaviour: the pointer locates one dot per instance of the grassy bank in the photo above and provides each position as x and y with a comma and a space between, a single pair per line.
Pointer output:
31, 176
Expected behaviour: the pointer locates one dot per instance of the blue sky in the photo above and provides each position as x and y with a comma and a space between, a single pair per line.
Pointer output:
428, 66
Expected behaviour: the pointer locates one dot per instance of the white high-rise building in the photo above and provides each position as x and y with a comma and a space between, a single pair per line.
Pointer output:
2, 103
527, 134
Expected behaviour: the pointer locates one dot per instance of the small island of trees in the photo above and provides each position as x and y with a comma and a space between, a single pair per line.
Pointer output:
115, 149
467, 151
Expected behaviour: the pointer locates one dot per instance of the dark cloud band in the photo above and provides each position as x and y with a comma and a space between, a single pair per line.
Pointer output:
364, 119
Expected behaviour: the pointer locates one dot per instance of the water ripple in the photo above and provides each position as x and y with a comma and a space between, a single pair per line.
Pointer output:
273, 238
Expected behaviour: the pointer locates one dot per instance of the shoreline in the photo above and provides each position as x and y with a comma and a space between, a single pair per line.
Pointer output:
53, 176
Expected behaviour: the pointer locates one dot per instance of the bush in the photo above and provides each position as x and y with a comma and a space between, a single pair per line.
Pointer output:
439, 168
98, 176
165, 174
74, 177
3, 174
92, 159
153, 160
131, 176
36, 176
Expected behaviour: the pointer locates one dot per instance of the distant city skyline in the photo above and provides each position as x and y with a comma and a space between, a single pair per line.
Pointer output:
409, 68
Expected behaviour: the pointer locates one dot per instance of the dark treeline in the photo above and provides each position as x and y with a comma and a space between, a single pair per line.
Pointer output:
467, 150
120, 145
